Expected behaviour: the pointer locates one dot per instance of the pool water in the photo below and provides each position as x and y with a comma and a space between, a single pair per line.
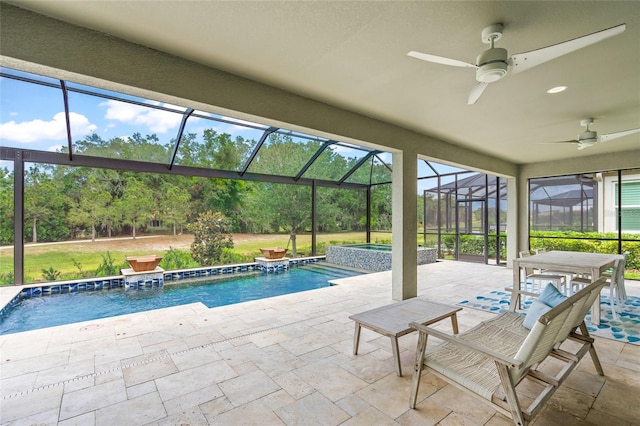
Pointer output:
58, 309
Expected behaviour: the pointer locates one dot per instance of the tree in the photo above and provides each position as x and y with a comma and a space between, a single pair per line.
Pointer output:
211, 234
45, 203
91, 207
174, 205
281, 207
137, 204
6, 207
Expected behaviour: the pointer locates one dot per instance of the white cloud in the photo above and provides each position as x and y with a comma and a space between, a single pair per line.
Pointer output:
37, 130
55, 148
156, 120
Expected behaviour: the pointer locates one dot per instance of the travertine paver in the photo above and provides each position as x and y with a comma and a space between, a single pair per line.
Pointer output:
285, 360
139, 411
91, 399
314, 409
243, 389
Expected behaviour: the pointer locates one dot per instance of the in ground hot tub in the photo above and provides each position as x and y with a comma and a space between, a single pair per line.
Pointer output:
372, 257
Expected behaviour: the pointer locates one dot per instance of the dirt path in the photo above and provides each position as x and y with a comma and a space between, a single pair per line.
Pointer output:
150, 242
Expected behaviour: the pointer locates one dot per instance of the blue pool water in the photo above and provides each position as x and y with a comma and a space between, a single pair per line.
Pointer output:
58, 309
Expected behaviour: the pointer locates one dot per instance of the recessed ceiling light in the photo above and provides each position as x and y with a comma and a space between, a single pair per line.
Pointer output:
557, 89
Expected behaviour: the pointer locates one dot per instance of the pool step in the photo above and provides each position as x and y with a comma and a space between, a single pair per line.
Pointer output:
331, 271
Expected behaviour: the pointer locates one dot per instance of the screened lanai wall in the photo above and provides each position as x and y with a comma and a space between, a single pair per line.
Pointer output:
81, 162
564, 203
592, 212
464, 213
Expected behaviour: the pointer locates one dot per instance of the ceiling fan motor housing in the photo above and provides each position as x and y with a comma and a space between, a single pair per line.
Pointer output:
492, 65
588, 138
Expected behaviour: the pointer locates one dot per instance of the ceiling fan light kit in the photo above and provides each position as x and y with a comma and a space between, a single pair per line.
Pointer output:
494, 63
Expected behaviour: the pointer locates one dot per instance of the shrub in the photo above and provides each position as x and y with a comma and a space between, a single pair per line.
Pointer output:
211, 234
177, 259
108, 266
228, 256
592, 242
50, 274
6, 278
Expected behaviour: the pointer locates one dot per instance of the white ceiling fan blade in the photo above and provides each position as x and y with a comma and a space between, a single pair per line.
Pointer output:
611, 136
524, 61
476, 92
582, 146
440, 59
557, 142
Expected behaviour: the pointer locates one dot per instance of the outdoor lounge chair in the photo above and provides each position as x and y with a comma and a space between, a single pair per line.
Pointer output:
493, 358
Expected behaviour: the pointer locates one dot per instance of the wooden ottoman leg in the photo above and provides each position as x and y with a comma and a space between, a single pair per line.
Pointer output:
356, 339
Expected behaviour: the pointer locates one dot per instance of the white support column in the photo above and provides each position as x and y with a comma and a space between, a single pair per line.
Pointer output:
404, 273
517, 217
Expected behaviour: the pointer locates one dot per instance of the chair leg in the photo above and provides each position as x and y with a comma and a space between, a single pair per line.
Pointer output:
592, 349
614, 302
510, 393
417, 369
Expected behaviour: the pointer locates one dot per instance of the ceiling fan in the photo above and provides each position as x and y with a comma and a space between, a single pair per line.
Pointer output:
590, 137
493, 63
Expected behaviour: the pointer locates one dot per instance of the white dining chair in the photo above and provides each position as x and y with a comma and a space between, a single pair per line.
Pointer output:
534, 281
568, 275
615, 281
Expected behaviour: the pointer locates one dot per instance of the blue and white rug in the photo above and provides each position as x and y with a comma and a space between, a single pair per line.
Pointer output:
625, 327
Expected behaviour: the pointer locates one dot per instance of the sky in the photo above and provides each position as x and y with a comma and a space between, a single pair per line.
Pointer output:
32, 117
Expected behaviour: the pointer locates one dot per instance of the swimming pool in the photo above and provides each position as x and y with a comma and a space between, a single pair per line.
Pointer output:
58, 309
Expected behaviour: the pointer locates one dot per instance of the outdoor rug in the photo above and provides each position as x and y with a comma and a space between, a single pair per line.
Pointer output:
624, 328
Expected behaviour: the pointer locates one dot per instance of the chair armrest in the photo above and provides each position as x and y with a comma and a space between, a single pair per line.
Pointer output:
455, 339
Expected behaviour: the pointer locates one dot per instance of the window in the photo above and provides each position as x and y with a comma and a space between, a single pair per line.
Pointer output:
630, 205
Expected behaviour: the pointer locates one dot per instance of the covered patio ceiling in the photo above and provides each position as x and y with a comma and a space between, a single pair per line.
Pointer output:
353, 55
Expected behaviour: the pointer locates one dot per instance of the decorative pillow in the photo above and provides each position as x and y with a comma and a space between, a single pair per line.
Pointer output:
535, 311
551, 296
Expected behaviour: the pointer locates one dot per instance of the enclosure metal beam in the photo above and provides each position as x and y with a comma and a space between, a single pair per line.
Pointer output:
368, 224
357, 166
384, 163
313, 159
65, 99
18, 219
431, 167
263, 138
143, 166
439, 219
314, 227
185, 117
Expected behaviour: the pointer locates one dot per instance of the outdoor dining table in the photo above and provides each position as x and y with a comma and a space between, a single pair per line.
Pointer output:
571, 262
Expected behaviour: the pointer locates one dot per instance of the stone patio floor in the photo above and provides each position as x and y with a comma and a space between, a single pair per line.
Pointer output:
284, 360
